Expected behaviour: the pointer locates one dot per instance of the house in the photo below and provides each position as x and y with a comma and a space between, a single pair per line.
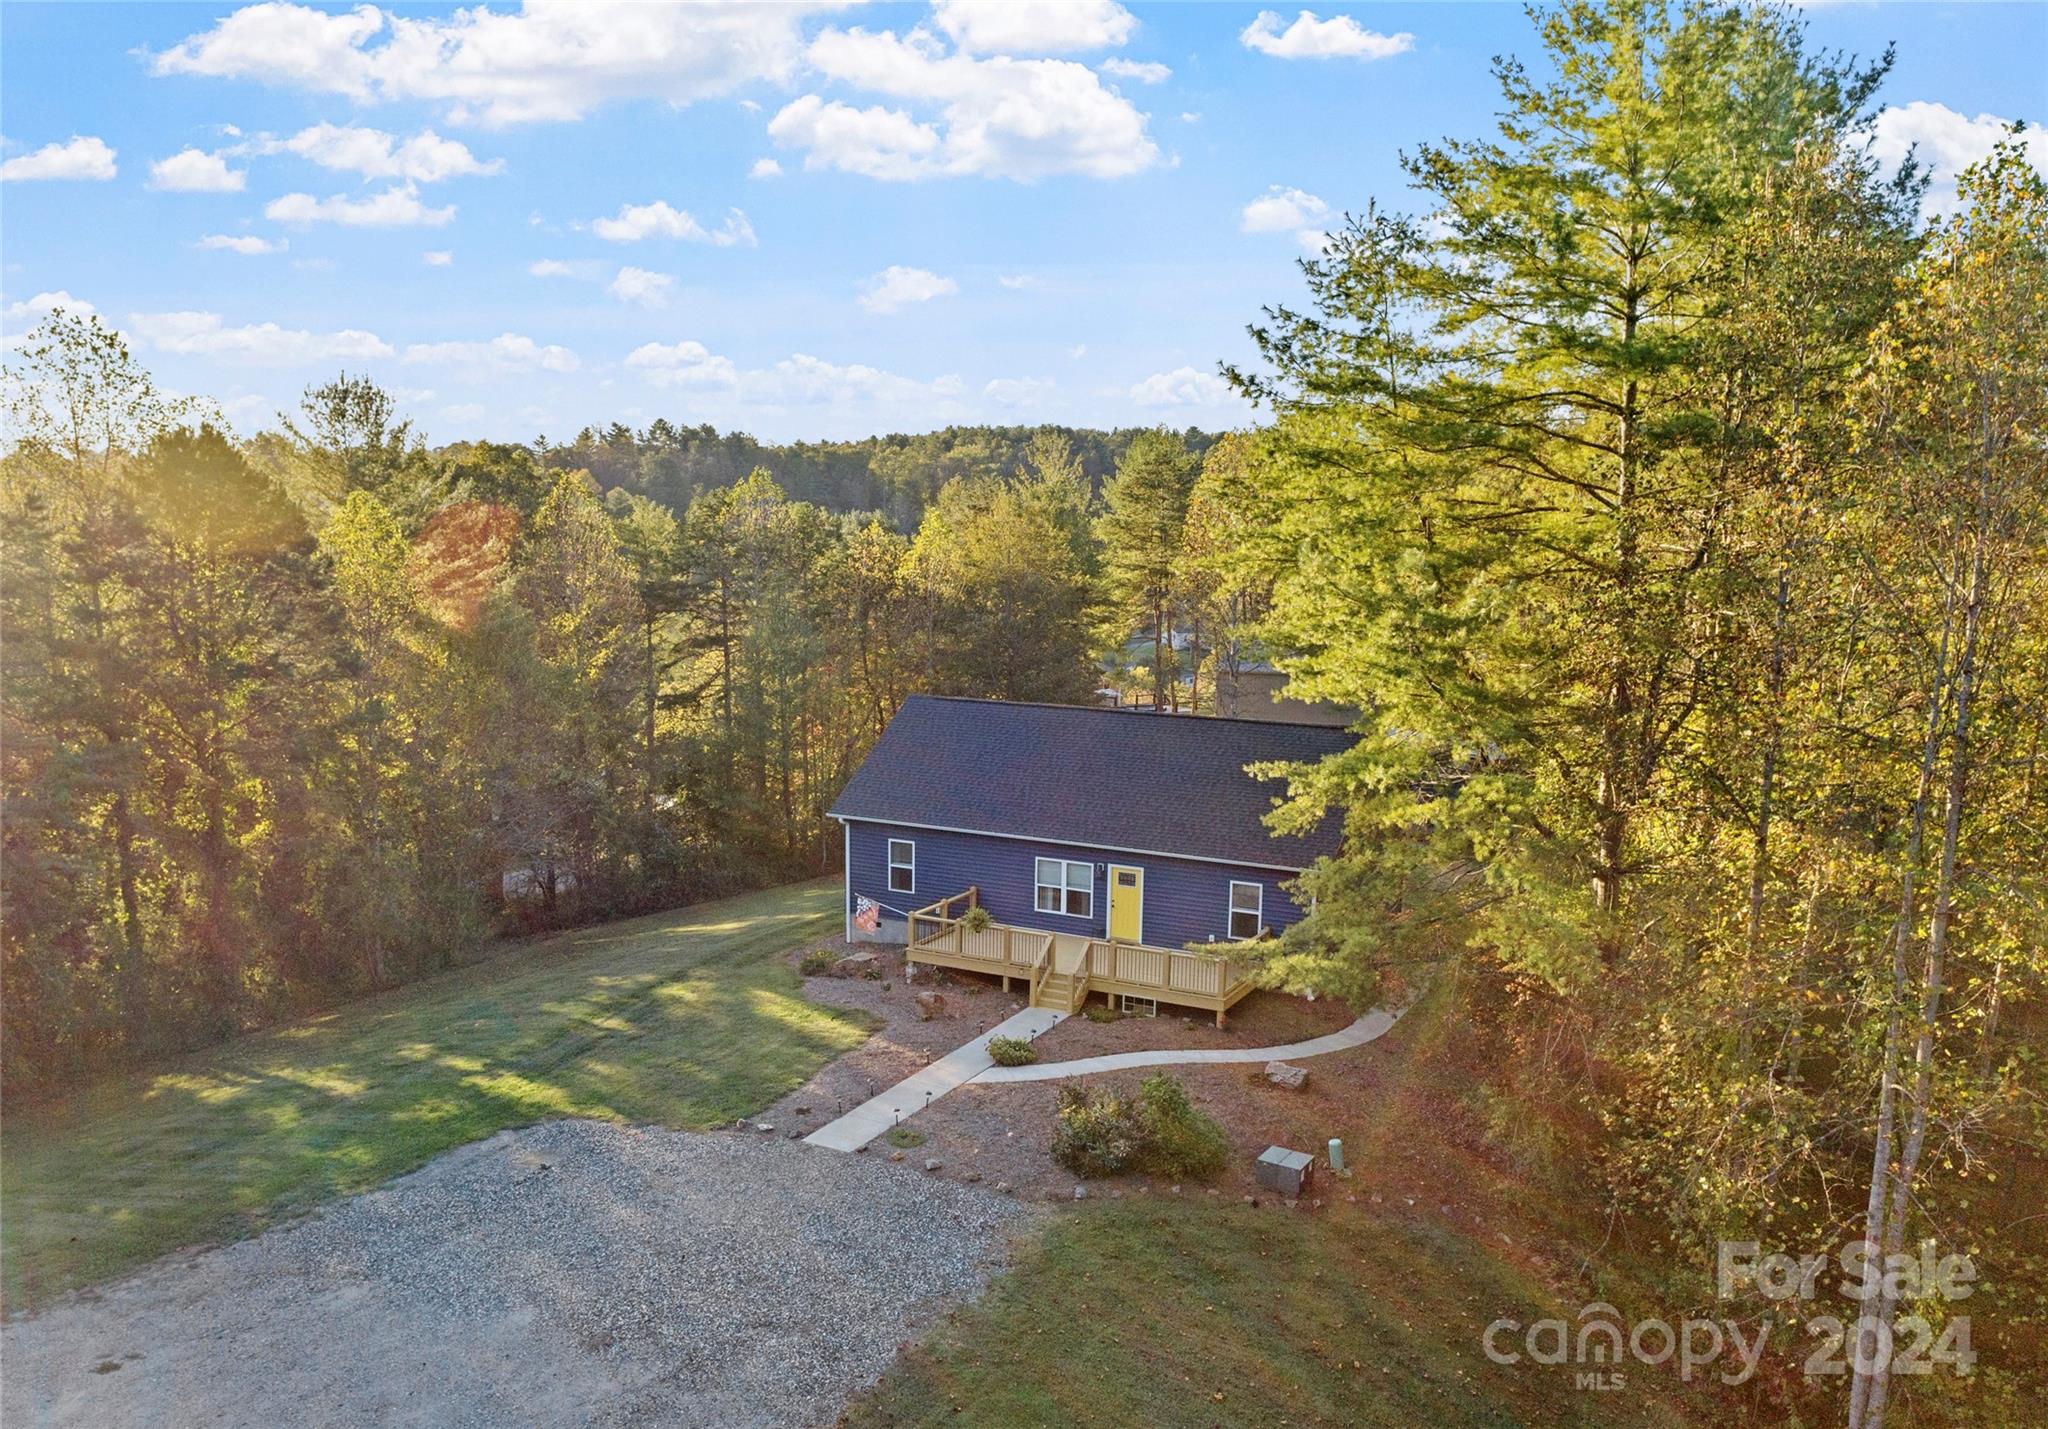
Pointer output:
1255, 689
1106, 847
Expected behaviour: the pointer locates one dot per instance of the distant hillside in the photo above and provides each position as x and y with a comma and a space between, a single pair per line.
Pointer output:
895, 474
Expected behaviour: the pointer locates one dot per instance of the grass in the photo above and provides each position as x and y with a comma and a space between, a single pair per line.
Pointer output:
684, 1019
1198, 1311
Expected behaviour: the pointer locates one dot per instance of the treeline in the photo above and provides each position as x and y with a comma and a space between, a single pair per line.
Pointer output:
1676, 506
293, 719
898, 476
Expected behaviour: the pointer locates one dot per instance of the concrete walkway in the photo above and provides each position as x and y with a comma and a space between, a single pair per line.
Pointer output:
1366, 1029
877, 1114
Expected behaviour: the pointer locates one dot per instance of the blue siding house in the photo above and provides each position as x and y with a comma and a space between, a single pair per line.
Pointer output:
1118, 826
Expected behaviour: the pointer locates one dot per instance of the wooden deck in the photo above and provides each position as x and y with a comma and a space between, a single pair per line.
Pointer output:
1061, 969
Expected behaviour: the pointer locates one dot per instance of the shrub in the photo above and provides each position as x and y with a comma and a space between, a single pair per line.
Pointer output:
1182, 1142
977, 919
1098, 1134
1102, 1012
1012, 1051
816, 961
904, 1137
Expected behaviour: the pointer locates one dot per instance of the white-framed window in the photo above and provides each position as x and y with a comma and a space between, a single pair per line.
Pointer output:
902, 866
1247, 907
1064, 887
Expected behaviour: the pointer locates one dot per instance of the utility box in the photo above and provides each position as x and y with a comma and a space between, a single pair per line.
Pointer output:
1284, 1171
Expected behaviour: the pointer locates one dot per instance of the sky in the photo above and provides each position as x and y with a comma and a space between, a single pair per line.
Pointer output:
796, 220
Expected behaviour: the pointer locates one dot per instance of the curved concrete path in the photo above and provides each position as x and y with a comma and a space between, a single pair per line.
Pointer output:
1366, 1029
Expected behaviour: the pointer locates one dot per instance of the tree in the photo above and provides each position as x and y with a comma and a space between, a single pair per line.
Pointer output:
1146, 507
1003, 565
1493, 469
1956, 415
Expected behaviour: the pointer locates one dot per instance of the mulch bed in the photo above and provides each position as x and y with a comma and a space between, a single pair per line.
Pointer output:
1001, 1134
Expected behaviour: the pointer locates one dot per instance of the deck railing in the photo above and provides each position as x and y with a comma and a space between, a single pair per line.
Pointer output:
1012, 952
1107, 965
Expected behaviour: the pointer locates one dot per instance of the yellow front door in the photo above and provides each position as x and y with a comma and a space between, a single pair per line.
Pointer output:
1126, 904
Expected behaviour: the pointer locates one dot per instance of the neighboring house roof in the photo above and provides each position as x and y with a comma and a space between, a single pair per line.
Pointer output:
1111, 779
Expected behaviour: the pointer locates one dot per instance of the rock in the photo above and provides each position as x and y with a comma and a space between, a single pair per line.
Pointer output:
895, 1156
1176, 1190
796, 1133
803, 1111
1286, 1074
930, 1005
1080, 1193
860, 1150
971, 1176
931, 1163
1002, 1188
855, 965
766, 1128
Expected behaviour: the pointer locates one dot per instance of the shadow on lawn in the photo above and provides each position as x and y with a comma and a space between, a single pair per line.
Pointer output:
686, 1020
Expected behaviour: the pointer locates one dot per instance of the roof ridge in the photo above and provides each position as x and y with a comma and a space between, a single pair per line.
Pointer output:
1120, 709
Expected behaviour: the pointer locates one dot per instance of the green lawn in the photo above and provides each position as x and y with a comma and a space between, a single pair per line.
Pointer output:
684, 1019
1187, 1313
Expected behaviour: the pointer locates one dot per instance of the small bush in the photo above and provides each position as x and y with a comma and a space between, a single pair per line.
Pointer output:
1012, 1051
816, 961
903, 1137
1102, 1012
1099, 1133
1182, 1142
977, 919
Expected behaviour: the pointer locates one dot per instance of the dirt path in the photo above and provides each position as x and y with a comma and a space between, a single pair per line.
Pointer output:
570, 1273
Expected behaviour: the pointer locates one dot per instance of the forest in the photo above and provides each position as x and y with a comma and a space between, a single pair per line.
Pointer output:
1669, 490
295, 718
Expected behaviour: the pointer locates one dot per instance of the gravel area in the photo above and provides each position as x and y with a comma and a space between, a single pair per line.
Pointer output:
574, 1272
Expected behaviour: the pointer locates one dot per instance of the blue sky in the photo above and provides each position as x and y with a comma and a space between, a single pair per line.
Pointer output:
800, 221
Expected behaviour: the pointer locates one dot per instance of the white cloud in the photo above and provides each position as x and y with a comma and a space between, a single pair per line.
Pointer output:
796, 381
1308, 38
196, 171
1019, 391
803, 380
1078, 351
508, 352
548, 62
556, 268
1946, 143
683, 364
199, 334
17, 318
643, 288
438, 257
765, 169
393, 208
1017, 280
424, 158
463, 411
1020, 119
1040, 27
1280, 209
1189, 116
896, 286
1143, 71
79, 157
636, 221
1182, 387
246, 244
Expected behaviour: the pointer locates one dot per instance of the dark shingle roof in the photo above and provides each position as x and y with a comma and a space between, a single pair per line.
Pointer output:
1107, 778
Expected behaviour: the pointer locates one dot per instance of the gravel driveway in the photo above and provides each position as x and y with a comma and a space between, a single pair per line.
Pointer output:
569, 1273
